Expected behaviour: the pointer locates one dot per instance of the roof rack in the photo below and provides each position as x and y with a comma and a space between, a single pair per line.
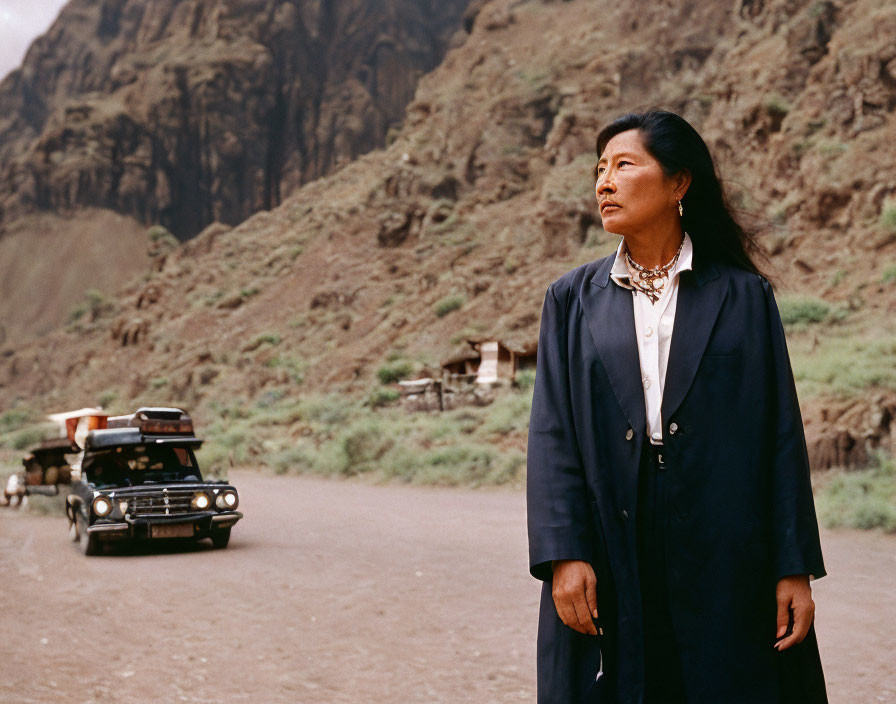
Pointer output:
155, 421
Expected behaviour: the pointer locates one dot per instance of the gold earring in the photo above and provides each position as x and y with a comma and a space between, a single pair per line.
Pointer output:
680, 209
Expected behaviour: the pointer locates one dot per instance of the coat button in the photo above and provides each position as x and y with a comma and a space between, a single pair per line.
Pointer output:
673, 428
624, 515
629, 434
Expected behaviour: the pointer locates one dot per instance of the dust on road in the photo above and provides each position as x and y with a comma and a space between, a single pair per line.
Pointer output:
343, 592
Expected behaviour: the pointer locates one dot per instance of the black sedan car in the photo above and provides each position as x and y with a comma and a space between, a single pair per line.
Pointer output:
139, 480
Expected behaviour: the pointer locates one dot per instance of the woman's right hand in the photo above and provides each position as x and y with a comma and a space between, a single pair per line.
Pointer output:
574, 588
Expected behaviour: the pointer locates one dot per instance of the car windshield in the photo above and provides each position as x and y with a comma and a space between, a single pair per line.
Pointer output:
143, 464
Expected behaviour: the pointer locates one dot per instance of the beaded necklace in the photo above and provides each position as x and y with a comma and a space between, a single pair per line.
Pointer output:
651, 282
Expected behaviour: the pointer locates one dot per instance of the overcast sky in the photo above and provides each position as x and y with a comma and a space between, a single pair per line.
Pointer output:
21, 21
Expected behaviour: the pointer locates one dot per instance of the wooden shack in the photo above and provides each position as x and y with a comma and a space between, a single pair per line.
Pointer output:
488, 360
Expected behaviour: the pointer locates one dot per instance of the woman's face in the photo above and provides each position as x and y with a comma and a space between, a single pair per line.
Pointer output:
634, 193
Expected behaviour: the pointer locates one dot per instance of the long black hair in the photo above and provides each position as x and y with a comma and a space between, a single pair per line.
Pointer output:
676, 145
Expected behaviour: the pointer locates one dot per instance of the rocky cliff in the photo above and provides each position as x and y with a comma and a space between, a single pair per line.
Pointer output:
485, 196
185, 112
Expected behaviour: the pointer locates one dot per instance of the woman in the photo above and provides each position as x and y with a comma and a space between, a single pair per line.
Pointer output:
669, 504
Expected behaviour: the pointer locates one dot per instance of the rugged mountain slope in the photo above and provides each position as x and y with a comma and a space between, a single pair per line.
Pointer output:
49, 263
485, 197
182, 112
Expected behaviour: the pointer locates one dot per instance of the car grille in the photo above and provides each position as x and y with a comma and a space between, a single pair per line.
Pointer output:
169, 502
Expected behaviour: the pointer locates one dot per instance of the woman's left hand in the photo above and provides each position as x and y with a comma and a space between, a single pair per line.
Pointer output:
794, 593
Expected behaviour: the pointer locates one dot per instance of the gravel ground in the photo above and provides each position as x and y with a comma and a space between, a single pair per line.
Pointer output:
343, 592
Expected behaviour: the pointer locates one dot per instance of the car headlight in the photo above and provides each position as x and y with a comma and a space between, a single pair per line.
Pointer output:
227, 500
102, 506
200, 501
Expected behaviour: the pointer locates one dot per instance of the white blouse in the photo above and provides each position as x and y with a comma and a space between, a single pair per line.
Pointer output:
653, 330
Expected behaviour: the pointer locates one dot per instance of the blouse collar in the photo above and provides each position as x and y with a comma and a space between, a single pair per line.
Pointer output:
619, 272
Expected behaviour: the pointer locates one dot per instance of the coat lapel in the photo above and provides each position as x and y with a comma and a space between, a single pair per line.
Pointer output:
611, 320
700, 297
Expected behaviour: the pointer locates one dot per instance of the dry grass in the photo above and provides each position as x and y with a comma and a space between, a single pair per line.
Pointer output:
337, 435
864, 499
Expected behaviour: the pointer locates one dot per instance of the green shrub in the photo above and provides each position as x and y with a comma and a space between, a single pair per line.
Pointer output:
469, 464
13, 419
294, 367
864, 499
466, 333
27, 437
449, 465
77, 312
801, 146
454, 223
843, 365
269, 399
234, 438
268, 338
231, 442
361, 445
95, 304
465, 421
889, 276
507, 414
212, 459
831, 148
391, 373
333, 409
537, 80
107, 398
392, 134
382, 397
213, 298
448, 304
95, 298
777, 106
238, 409
525, 379
293, 460
157, 234
817, 9
802, 310
511, 468
340, 436
278, 414
457, 464
888, 216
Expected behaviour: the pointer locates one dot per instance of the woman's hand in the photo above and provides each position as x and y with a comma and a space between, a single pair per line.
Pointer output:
794, 593
574, 588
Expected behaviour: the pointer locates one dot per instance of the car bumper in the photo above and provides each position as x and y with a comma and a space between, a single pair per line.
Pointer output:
201, 525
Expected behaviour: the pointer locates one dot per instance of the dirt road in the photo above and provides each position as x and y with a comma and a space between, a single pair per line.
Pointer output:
343, 592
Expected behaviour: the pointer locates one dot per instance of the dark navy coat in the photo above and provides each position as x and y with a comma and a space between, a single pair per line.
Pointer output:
741, 514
